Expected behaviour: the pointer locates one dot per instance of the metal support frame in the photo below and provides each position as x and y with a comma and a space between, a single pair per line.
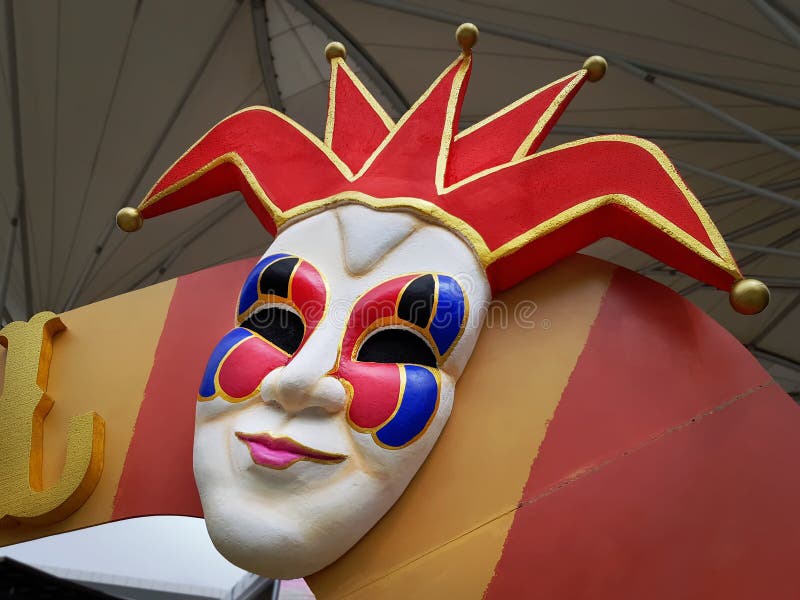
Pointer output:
762, 137
21, 211
648, 75
579, 49
265, 58
8, 258
255, 588
324, 21
641, 70
677, 135
790, 11
276, 589
752, 257
736, 234
781, 23
733, 196
778, 359
764, 249
214, 219
778, 283
332, 29
128, 196
742, 185
98, 148
777, 244
762, 223
775, 321
745, 230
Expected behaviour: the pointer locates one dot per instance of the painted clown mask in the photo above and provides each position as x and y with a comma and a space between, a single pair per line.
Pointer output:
338, 375
317, 410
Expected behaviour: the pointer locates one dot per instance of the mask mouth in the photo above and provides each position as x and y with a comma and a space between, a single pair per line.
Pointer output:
282, 452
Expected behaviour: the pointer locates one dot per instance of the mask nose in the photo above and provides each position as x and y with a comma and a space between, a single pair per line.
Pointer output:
304, 382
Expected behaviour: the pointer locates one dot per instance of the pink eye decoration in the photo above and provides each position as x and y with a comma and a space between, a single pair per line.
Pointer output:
400, 333
282, 301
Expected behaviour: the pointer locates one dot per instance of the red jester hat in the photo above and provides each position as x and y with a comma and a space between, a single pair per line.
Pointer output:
520, 210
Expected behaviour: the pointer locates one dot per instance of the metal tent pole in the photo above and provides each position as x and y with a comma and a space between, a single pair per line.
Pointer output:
764, 249
579, 49
21, 212
742, 185
265, 59
733, 196
127, 197
781, 23
5, 274
713, 111
775, 358
325, 22
749, 259
677, 134
322, 19
776, 320
214, 219
649, 77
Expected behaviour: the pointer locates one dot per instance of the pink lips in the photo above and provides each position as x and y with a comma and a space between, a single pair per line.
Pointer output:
283, 452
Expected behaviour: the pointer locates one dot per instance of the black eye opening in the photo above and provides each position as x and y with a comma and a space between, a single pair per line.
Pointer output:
279, 325
396, 345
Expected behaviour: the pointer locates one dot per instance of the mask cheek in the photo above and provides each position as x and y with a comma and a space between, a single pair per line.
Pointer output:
375, 391
395, 403
237, 366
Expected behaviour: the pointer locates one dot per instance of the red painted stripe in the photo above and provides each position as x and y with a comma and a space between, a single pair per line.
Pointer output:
652, 361
708, 510
638, 492
157, 478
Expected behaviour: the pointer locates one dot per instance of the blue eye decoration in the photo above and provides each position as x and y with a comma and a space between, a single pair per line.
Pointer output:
419, 397
446, 324
430, 315
250, 289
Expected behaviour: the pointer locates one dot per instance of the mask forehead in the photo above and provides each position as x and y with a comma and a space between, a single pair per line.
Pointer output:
361, 247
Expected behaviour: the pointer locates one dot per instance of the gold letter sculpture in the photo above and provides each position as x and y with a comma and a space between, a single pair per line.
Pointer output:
24, 405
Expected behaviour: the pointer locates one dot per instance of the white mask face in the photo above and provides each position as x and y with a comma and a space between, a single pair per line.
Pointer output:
319, 408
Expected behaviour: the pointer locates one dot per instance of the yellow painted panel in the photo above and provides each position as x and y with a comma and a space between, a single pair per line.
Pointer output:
455, 570
100, 363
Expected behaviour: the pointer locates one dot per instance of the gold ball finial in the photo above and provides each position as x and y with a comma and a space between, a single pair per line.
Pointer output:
597, 67
335, 50
129, 219
467, 36
749, 296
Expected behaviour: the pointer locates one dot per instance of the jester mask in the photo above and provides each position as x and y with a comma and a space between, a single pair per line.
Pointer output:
339, 372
